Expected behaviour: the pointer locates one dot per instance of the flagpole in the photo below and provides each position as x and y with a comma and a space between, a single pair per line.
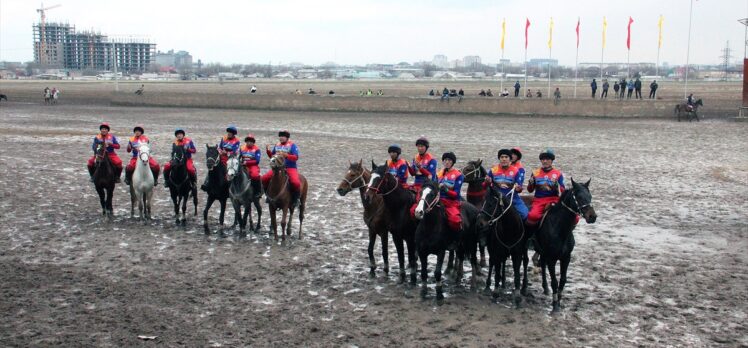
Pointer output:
549, 71
688, 50
628, 64
501, 89
659, 45
602, 50
576, 72
520, 91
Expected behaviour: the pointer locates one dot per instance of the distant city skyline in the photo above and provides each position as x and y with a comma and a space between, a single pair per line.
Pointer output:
352, 33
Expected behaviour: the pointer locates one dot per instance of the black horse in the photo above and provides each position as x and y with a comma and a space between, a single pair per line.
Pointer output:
690, 113
217, 186
3, 97
554, 239
433, 236
397, 202
104, 178
506, 237
181, 186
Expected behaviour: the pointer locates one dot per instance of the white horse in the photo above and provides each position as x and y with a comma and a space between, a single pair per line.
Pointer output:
242, 194
141, 186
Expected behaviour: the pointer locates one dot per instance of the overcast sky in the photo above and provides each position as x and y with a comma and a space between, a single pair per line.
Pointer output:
391, 31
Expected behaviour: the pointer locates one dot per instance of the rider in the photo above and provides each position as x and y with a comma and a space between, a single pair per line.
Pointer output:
111, 143
690, 102
548, 184
505, 176
423, 166
229, 144
397, 166
133, 146
516, 157
290, 153
189, 148
450, 183
251, 159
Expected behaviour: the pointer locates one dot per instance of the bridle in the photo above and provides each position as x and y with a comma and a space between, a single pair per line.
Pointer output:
433, 203
359, 177
503, 212
471, 172
212, 162
381, 180
578, 210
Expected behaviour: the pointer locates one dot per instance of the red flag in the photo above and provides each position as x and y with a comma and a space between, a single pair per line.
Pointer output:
527, 25
577, 32
628, 39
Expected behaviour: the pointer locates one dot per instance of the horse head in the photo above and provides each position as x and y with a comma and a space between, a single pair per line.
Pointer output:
277, 163
355, 177
474, 171
212, 156
233, 167
178, 156
579, 200
144, 153
494, 205
381, 182
429, 198
699, 102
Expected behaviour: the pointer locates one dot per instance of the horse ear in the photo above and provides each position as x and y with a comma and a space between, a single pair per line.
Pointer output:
587, 184
572, 181
480, 162
361, 162
373, 165
207, 146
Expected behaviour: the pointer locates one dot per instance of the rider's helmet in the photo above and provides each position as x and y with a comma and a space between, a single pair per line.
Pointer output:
506, 152
548, 153
104, 125
423, 141
284, 133
395, 148
517, 151
450, 155
232, 129
138, 128
179, 130
250, 137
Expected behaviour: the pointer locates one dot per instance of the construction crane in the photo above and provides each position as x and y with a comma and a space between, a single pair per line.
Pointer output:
43, 12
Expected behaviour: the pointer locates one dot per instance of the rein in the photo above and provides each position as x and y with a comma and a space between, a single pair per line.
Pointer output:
432, 204
579, 208
376, 189
351, 182
496, 219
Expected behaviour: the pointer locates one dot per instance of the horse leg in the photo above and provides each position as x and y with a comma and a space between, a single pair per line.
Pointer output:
482, 256
543, 268
503, 272
221, 216
133, 201
110, 209
302, 208
184, 209
400, 254
287, 218
450, 264
497, 277
525, 262
194, 198
438, 276
516, 264
284, 221
258, 207
412, 259
385, 253
273, 223
564, 267
237, 213
423, 256
102, 200
475, 266
247, 215
149, 200
210, 201
370, 250
554, 284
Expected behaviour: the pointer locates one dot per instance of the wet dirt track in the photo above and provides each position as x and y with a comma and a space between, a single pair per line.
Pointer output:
664, 265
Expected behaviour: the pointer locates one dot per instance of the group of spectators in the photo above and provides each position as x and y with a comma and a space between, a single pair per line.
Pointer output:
620, 89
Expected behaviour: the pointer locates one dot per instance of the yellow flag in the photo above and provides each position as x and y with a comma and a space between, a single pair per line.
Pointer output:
550, 36
659, 24
503, 32
605, 28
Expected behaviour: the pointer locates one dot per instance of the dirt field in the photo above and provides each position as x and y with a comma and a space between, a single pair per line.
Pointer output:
664, 265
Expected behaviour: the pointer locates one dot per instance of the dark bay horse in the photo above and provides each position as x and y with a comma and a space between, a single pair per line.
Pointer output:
218, 186
397, 203
682, 108
554, 239
279, 198
375, 216
475, 175
181, 186
104, 180
507, 237
242, 194
433, 236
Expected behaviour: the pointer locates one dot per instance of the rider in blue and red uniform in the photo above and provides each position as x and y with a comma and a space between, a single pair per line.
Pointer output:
290, 152
397, 166
516, 157
504, 176
132, 146
228, 146
251, 155
423, 166
189, 147
548, 184
111, 143
450, 183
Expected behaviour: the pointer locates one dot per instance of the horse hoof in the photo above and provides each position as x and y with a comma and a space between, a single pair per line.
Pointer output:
556, 308
424, 292
372, 274
495, 295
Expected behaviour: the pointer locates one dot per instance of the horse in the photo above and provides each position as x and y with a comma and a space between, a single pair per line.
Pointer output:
475, 175
682, 108
507, 237
433, 236
104, 180
375, 216
279, 198
181, 186
242, 194
217, 186
397, 202
47, 95
554, 239
141, 185
3, 97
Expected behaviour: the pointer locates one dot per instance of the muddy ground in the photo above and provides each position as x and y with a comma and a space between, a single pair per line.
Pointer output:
664, 265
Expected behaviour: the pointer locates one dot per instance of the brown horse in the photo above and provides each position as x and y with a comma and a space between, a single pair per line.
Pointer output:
690, 113
375, 216
104, 178
279, 198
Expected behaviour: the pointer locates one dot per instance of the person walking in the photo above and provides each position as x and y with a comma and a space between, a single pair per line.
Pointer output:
653, 90
606, 85
593, 86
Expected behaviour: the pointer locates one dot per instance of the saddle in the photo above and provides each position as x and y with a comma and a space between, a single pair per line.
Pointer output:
689, 108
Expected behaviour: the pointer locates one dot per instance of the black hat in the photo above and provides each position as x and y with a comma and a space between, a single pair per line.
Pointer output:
179, 130
104, 125
517, 151
422, 141
138, 128
395, 148
504, 152
284, 133
450, 155
232, 129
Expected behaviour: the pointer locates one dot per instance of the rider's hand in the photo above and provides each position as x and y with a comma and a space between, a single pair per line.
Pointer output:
267, 147
487, 179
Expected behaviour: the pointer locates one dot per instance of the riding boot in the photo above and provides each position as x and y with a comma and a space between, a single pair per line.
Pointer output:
294, 199
257, 189
204, 186
155, 178
117, 174
167, 183
90, 174
128, 177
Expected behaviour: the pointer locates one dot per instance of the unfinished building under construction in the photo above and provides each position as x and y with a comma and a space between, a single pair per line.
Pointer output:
59, 45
